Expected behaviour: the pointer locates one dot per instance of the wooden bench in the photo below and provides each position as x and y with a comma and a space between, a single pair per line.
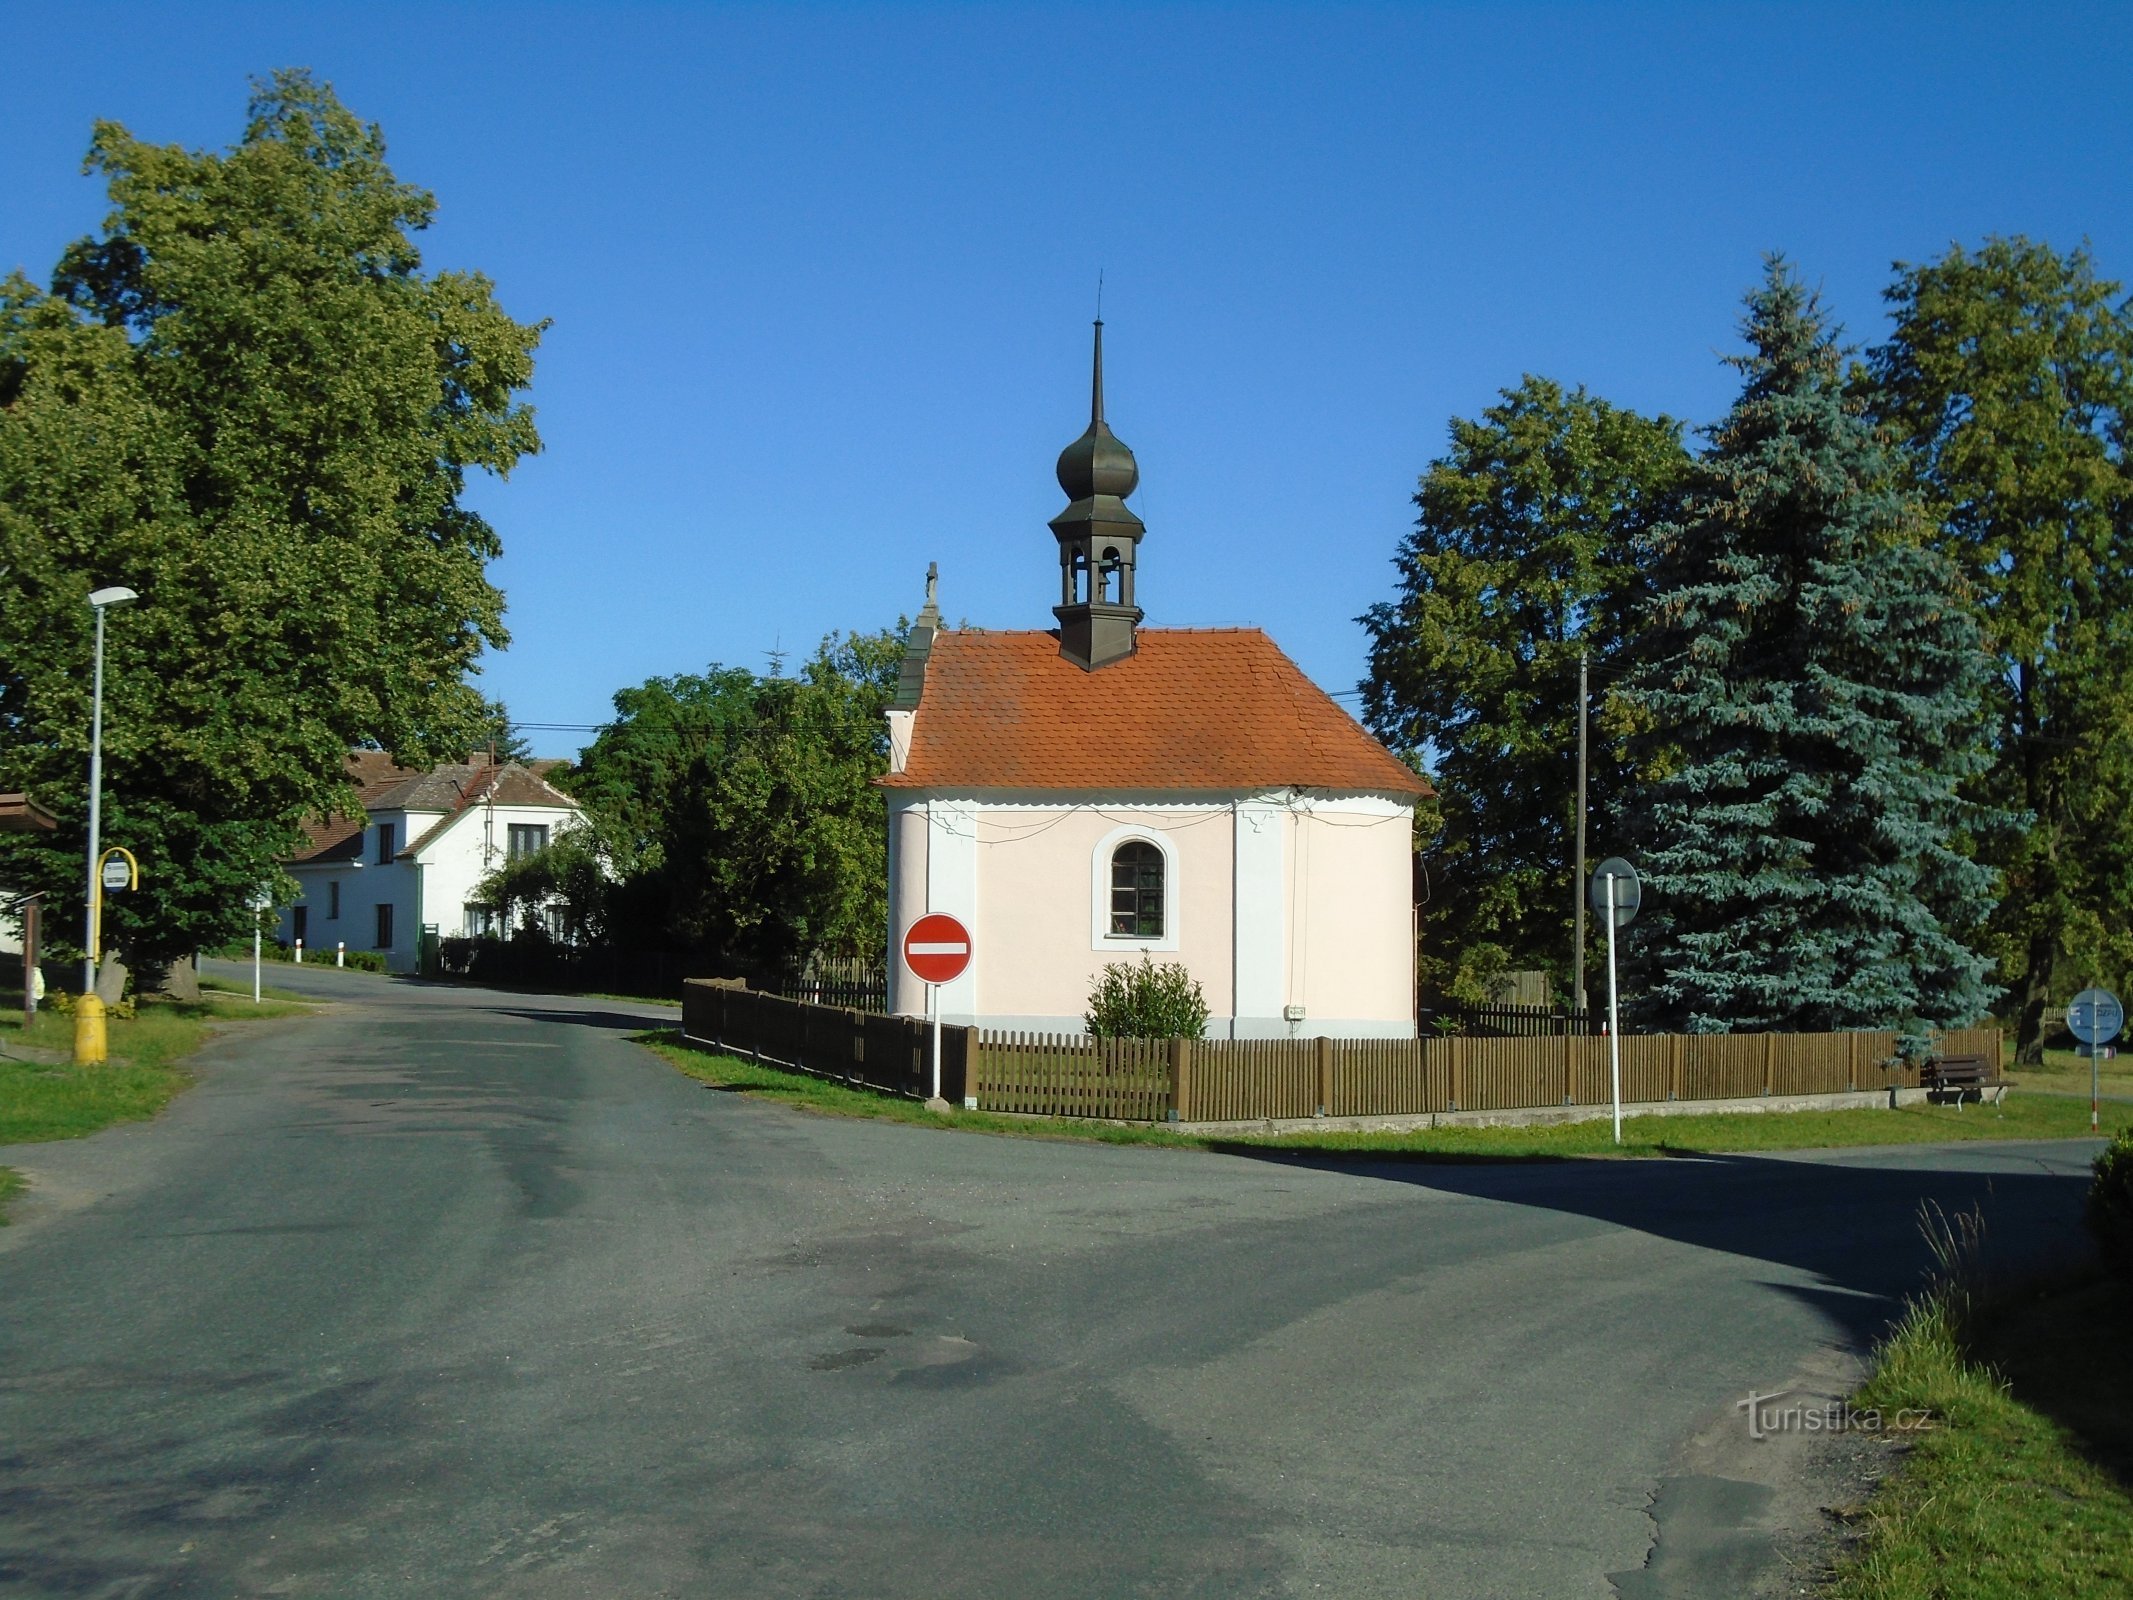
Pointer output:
1960, 1077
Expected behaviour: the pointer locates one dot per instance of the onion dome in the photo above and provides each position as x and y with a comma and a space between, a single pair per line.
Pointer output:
1098, 463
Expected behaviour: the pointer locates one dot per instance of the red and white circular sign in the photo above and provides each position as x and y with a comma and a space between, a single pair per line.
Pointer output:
937, 948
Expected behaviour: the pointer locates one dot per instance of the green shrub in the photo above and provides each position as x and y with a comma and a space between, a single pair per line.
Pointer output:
2110, 1209
1146, 1002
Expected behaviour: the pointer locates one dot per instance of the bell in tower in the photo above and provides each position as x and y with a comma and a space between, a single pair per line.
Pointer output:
1098, 539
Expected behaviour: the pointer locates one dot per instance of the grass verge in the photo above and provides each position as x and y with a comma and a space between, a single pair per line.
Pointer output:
2037, 1118
267, 991
2068, 1073
804, 1093
44, 1096
2016, 1482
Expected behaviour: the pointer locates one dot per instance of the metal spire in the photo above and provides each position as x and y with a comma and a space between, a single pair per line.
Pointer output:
1096, 382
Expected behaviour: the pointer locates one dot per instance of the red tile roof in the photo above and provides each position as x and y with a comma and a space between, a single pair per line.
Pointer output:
1199, 709
339, 838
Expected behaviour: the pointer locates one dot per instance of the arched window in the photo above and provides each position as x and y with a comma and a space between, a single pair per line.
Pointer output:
1137, 891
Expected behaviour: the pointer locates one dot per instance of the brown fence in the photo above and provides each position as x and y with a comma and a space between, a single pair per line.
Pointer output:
1241, 1080
856, 1047
1123, 1079
1244, 1080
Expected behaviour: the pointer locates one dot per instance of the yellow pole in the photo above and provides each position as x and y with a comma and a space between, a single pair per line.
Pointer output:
91, 1036
90, 1041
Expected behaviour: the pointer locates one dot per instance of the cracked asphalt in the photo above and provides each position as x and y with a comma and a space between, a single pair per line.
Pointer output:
452, 1292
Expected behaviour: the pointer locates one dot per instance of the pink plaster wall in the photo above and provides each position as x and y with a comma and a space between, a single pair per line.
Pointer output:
1350, 949
1033, 893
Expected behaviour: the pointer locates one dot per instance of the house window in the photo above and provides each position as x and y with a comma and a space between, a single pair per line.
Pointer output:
1137, 891
481, 921
527, 837
333, 901
385, 844
385, 927
299, 923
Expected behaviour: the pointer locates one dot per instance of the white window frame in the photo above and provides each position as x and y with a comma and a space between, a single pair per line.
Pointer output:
1100, 935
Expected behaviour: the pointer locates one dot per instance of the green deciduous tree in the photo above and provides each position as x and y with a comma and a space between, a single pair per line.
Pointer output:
742, 808
1525, 554
1811, 678
2007, 387
571, 877
245, 400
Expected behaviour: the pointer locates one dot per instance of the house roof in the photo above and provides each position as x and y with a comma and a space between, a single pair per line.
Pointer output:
1191, 708
506, 785
381, 784
20, 814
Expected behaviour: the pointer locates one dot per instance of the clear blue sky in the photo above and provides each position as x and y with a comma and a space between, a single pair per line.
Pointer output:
821, 276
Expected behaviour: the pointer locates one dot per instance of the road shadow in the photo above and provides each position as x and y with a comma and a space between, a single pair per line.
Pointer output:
1852, 1224
586, 1017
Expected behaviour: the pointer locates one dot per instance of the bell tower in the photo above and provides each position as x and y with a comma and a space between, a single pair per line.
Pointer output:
1098, 539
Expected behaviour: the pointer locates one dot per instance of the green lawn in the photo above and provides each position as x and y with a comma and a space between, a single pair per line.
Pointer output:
2036, 1117
797, 1089
2062, 1069
2017, 1484
243, 990
44, 1096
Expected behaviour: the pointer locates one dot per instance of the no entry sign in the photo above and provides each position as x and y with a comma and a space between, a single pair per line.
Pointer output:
937, 948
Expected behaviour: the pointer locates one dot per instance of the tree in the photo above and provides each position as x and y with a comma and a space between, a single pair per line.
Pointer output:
2007, 386
569, 876
497, 736
1812, 676
1146, 1002
742, 809
244, 400
1525, 554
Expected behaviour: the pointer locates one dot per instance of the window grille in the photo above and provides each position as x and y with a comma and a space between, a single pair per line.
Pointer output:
1137, 891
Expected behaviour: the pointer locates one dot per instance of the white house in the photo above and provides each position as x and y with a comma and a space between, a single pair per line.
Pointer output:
429, 839
1079, 796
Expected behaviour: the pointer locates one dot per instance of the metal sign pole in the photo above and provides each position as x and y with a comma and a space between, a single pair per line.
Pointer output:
1577, 938
1614, 1014
933, 1008
2095, 1017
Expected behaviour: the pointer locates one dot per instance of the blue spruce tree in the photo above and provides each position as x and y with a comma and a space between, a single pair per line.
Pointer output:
1811, 686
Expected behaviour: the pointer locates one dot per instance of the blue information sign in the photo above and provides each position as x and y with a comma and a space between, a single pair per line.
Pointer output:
2094, 1016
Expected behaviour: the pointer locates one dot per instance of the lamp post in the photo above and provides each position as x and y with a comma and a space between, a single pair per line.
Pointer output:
89, 1015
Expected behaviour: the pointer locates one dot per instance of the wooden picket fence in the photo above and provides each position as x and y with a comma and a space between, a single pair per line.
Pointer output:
856, 1047
1246, 1080
1122, 1079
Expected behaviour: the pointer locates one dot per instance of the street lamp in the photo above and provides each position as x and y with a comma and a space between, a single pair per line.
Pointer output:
89, 1017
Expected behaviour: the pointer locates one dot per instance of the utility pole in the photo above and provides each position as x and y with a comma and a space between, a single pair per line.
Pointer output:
1577, 881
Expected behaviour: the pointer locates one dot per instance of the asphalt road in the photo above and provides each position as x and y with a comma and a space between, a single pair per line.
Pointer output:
447, 1292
